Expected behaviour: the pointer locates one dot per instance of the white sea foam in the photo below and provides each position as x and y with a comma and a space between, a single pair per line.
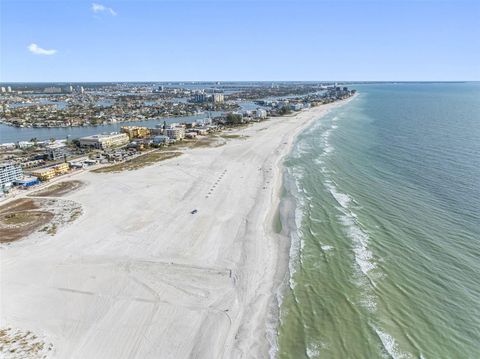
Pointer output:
296, 242
368, 301
326, 248
328, 149
390, 346
302, 148
342, 199
313, 351
365, 261
363, 256
360, 238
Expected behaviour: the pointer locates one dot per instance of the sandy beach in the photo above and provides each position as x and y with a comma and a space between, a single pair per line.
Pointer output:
139, 276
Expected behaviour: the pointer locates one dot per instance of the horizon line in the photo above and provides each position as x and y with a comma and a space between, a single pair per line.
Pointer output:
237, 81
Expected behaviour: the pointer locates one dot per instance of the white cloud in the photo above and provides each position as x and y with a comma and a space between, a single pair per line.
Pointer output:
96, 8
35, 49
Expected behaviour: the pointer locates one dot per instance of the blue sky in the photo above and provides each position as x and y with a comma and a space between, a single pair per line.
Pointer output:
232, 40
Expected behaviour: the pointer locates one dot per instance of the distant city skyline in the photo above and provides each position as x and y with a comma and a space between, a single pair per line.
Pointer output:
117, 41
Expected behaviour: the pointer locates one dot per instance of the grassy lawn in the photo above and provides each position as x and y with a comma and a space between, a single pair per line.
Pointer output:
138, 162
57, 189
228, 136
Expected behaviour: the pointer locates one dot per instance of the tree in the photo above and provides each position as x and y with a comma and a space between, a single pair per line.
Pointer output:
234, 119
284, 110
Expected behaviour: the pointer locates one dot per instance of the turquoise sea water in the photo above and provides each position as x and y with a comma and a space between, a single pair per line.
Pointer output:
385, 259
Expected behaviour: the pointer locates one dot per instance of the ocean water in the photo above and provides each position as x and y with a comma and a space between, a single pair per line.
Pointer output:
385, 258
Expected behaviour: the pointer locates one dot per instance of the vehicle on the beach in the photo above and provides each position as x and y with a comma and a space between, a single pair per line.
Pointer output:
194, 211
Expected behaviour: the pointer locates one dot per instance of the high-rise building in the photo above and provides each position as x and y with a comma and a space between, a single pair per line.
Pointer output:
9, 172
218, 98
3, 89
201, 97
9, 89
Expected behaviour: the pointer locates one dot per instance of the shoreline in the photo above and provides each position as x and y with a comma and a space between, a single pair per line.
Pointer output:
182, 284
286, 206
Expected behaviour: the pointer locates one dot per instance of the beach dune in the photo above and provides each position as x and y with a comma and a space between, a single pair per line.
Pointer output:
139, 276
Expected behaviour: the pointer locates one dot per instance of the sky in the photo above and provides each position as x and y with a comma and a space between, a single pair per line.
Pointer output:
226, 40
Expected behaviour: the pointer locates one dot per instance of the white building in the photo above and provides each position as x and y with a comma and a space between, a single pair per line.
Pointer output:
7, 146
175, 133
218, 98
261, 113
25, 144
104, 141
296, 106
203, 121
9, 172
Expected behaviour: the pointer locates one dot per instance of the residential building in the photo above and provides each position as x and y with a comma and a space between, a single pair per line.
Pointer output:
56, 151
157, 131
9, 172
201, 97
218, 98
104, 141
296, 106
25, 144
203, 121
159, 140
175, 133
135, 131
32, 163
7, 146
191, 135
202, 131
261, 113
44, 174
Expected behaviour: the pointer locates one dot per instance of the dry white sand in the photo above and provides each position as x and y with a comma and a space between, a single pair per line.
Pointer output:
139, 276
